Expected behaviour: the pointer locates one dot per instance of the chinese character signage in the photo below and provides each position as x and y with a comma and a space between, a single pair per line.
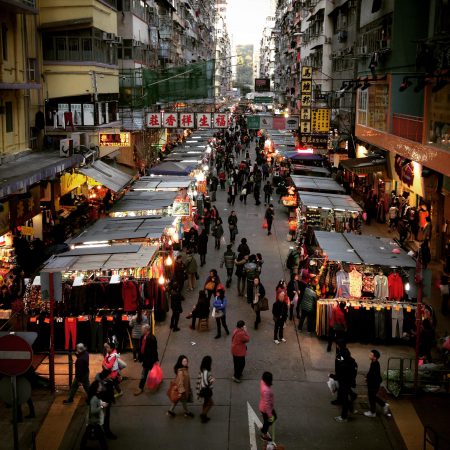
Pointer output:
320, 120
220, 121
114, 139
262, 84
292, 123
305, 114
306, 87
315, 140
187, 120
203, 120
267, 122
305, 126
306, 99
170, 120
254, 122
306, 73
154, 120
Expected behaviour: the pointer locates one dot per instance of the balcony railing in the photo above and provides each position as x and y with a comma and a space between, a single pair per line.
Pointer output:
408, 127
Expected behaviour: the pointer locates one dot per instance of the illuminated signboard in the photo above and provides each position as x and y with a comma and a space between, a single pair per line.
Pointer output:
114, 139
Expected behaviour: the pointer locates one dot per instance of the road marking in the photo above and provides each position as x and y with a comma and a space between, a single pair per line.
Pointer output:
253, 420
14, 354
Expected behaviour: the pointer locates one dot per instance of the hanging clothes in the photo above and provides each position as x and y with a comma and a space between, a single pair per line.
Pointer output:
355, 280
342, 284
395, 287
381, 286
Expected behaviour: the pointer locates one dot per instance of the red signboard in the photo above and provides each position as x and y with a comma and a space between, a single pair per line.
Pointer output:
15, 355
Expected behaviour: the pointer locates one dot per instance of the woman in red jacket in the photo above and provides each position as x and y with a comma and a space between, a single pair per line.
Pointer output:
338, 324
266, 404
239, 349
110, 364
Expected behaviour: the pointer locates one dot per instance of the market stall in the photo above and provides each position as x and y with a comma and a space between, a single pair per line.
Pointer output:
143, 203
330, 212
183, 168
160, 183
317, 184
374, 277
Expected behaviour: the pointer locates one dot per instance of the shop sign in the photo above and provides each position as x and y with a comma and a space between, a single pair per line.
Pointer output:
187, 120
320, 120
404, 169
262, 84
154, 120
267, 122
23, 209
170, 120
263, 100
114, 139
292, 123
253, 122
315, 140
203, 120
4, 218
279, 123
70, 181
181, 208
26, 231
220, 120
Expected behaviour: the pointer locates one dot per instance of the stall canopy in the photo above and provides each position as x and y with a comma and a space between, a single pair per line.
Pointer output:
296, 156
108, 176
102, 258
363, 166
353, 248
123, 228
157, 183
174, 168
311, 170
144, 201
317, 184
329, 201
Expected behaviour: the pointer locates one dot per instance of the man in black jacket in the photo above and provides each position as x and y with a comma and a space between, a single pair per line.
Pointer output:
346, 371
373, 379
148, 355
81, 373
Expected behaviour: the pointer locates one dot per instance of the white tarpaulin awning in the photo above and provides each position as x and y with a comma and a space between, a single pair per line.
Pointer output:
318, 184
160, 183
329, 201
108, 176
144, 201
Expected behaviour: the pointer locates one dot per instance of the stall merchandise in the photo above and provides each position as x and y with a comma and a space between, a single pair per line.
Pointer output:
369, 320
329, 212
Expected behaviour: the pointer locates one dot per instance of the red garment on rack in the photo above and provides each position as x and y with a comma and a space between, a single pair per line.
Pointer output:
395, 286
129, 295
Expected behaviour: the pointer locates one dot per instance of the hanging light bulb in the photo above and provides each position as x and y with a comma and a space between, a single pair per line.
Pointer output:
169, 261
407, 287
161, 280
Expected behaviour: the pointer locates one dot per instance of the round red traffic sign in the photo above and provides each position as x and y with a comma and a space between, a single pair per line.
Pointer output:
16, 355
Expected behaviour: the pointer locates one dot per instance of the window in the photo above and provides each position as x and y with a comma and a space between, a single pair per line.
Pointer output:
9, 117
31, 69
362, 107
4, 42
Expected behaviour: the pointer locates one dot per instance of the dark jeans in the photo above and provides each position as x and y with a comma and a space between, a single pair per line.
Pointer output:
306, 315
266, 423
94, 432
334, 336
346, 397
249, 291
258, 318
31, 410
239, 364
202, 259
217, 242
269, 226
232, 234
374, 399
174, 319
267, 198
241, 285
222, 320
84, 381
136, 342
278, 330
229, 276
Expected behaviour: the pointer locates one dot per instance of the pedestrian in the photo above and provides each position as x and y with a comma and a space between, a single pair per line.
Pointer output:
206, 220
269, 218
427, 340
213, 187
175, 305
243, 247
214, 214
259, 262
239, 349
243, 196
148, 354
217, 232
337, 325
96, 417
192, 240
183, 382
232, 225
308, 307
268, 191
200, 310
31, 376
81, 373
211, 283
204, 387
279, 313
258, 294
346, 372
251, 272
136, 331
220, 313
191, 268
179, 273
293, 293
110, 365
266, 404
228, 260
203, 247
241, 260
373, 380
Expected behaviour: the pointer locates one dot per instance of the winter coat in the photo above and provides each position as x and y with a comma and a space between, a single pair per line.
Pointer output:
280, 310
175, 302
191, 264
183, 381
220, 304
82, 365
202, 244
239, 342
373, 376
110, 363
217, 231
136, 328
309, 300
150, 355
129, 295
266, 399
228, 259
243, 249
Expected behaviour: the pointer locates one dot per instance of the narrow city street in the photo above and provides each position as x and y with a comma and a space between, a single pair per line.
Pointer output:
300, 368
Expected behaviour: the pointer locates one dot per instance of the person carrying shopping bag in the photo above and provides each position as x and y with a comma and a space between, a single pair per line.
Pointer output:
220, 313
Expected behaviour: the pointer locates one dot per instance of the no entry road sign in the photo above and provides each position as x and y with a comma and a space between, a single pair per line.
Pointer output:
15, 355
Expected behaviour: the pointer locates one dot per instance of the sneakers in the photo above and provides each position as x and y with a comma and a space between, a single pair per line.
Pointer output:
386, 409
340, 419
283, 340
276, 341
188, 414
118, 394
370, 414
236, 380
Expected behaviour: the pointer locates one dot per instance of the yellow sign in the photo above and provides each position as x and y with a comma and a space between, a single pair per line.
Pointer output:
305, 114
114, 139
320, 120
305, 126
306, 87
26, 231
306, 99
306, 73
70, 181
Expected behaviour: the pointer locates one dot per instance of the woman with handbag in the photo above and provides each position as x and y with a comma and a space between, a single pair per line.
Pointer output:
279, 312
220, 313
258, 294
217, 232
183, 387
204, 387
293, 293
232, 224
338, 324
110, 364
211, 283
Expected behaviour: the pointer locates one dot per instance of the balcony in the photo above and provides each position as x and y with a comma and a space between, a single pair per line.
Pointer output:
19, 6
408, 127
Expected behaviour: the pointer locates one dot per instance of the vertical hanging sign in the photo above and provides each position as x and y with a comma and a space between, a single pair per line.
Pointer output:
306, 99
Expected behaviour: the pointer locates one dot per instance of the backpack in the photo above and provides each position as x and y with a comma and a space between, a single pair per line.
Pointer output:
290, 261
